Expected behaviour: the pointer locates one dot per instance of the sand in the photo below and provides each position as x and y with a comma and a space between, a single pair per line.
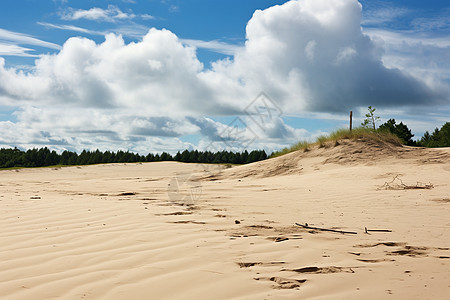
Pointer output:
120, 231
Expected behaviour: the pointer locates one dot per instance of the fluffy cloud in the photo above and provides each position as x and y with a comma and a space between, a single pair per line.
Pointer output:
111, 14
309, 56
156, 76
424, 57
312, 55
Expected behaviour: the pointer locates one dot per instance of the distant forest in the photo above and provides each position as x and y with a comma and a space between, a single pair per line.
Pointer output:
43, 157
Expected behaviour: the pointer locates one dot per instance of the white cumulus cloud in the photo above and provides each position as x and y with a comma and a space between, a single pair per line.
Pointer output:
313, 55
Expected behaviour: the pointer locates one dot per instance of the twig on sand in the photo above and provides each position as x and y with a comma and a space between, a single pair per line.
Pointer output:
325, 229
376, 230
401, 186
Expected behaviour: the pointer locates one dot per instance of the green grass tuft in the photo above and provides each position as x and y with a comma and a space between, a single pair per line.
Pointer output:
302, 145
321, 140
365, 134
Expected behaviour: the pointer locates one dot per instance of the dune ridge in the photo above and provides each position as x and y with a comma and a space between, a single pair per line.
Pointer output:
343, 152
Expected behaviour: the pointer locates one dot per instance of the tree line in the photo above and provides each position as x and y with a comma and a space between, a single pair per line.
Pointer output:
439, 137
43, 157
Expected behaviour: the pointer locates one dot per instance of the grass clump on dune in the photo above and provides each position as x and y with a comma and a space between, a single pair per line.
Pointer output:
343, 134
365, 134
302, 145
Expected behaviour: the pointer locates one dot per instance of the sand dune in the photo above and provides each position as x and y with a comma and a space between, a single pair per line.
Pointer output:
121, 231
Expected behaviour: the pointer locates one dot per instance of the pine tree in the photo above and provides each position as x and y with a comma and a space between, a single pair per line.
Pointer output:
371, 119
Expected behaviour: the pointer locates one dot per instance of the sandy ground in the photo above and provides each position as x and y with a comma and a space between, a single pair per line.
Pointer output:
120, 232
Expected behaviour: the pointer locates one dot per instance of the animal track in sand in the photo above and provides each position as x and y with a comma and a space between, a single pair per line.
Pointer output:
410, 251
375, 260
404, 249
218, 209
322, 270
260, 226
283, 283
278, 239
446, 200
127, 194
252, 264
177, 213
388, 244
188, 222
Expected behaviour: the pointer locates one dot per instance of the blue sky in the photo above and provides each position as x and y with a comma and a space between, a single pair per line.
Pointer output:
166, 75
200, 20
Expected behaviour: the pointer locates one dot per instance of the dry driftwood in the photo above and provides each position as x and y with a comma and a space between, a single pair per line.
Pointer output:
325, 229
401, 186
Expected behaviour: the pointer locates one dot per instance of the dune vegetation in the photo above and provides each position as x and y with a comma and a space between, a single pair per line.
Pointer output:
335, 137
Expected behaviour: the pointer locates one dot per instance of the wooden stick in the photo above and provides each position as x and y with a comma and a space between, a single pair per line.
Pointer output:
376, 230
325, 229
351, 115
